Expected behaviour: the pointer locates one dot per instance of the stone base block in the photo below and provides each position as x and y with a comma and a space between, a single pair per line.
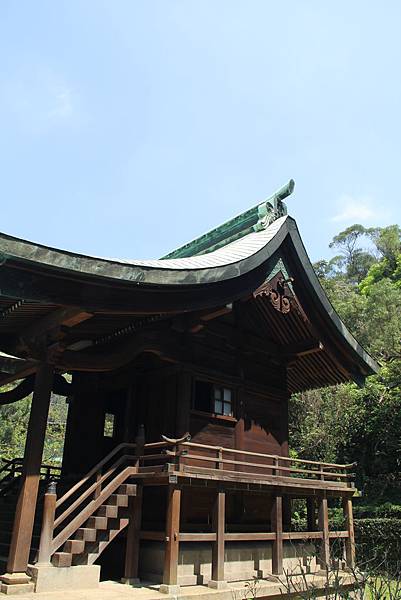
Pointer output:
16, 583
172, 590
218, 585
17, 588
48, 578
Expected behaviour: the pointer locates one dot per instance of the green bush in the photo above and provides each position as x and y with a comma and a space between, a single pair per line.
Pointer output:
378, 544
386, 511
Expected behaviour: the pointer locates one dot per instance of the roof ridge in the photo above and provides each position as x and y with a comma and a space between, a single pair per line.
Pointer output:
254, 219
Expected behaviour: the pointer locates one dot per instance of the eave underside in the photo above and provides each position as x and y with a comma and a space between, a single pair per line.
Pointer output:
82, 321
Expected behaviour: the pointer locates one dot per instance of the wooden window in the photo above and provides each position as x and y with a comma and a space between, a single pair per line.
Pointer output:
222, 397
213, 398
109, 425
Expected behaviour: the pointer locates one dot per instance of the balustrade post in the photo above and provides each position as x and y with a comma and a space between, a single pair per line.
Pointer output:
46, 534
98, 488
277, 528
350, 540
323, 523
220, 464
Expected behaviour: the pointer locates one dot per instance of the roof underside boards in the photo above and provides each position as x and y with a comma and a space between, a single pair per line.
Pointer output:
121, 293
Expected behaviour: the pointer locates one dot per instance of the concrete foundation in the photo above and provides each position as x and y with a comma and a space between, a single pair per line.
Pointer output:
47, 578
243, 561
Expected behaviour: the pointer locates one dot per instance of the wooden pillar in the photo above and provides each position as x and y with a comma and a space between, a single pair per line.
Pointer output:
350, 540
218, 527
170, 578
277, 528
133, 538
311, 513
26, 506
323, 526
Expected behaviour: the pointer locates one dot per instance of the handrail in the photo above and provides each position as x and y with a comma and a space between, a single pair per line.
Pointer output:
90, 490
86, 512
273, 456
93, 472
263, 466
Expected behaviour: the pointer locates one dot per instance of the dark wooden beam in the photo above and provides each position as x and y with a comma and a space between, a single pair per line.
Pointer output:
49, 328
195, 321
23, 369
67, 316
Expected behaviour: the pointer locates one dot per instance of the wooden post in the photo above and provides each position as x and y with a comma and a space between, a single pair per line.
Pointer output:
218, 527
311, 513
46, 534
350, 540
133, 538
26, 506
323, 525
220, 464
277, 528
170, 579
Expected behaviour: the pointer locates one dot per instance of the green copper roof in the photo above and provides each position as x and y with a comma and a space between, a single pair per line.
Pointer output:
254, 219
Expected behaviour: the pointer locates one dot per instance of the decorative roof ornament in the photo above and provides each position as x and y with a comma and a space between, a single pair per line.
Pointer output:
274, 207
254, 219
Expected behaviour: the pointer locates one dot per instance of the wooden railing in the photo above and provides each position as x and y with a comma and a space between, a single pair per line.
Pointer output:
205, 458
12, 469
63, 516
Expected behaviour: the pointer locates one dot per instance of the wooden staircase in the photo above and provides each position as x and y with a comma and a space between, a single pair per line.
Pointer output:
96, 533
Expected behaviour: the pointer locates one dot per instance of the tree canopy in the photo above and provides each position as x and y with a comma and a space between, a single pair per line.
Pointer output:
346, 423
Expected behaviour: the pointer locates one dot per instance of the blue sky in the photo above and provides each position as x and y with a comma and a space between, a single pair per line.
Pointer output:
130, 127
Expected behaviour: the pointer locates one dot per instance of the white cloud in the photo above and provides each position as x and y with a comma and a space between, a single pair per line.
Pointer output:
357, 209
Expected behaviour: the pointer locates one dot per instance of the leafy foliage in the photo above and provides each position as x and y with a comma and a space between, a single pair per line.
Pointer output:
346, 423
13, 425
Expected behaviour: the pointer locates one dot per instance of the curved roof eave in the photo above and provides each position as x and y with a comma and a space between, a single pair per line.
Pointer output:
228, 262
231, 261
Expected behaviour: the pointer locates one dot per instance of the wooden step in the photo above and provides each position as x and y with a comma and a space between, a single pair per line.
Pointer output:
87, 534
107, 510
93, 550
74, 546
127, 488
118, 500
62, 559
96, 523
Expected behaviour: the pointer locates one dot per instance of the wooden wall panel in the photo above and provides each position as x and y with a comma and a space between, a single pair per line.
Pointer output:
265, 423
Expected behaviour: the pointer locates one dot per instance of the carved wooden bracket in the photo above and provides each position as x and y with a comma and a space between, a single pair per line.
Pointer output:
278, 292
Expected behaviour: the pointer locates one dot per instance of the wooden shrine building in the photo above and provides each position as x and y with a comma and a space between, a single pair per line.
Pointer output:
177, 374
